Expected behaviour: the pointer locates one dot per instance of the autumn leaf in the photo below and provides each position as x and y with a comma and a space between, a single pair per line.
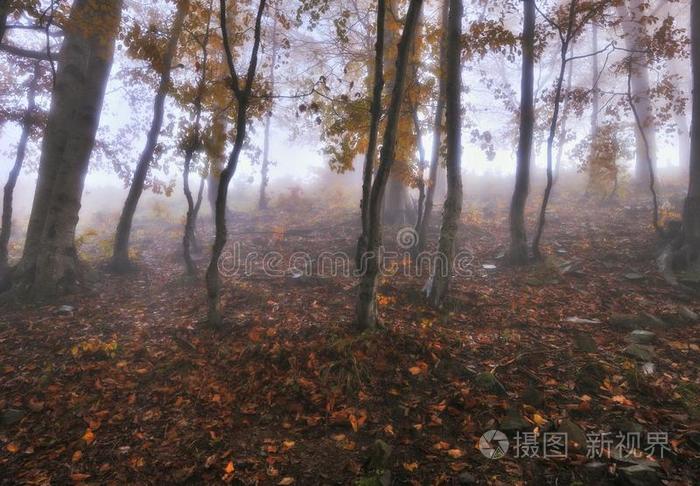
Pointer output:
12, 447
455, 453
229, 468
442, 445
286, 481
420, 367
88, 436
77, 455
410, 466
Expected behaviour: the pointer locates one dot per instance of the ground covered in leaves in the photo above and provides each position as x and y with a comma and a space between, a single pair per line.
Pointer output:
123, 384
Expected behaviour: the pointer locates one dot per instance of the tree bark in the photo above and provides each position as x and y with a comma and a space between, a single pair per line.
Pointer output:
367, 300
595, 106
120, 255
453, 202
375, 115
518, 236
635, 32
242, 96
265, 167
691, 209
27, 124
49, 264
188, 239
566, 39
422, 228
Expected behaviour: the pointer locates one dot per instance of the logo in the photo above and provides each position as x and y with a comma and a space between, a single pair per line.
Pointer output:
407, 238
493, 444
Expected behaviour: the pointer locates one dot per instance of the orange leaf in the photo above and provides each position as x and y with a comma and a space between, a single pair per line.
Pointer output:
77, 455
12, 447
89, 436
229, 468
455, 453
410, 466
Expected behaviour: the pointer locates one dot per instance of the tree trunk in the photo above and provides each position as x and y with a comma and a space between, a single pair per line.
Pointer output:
27, 124
375, 114
453, 202
49, 264
564, 119
691, 210
518, 236
265, 168
566, 39
634, 32
420, 178
188, 239
367, 300
595, 107
422, 228
120, 256
242, 95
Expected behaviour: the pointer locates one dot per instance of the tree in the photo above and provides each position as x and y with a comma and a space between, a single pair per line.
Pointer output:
367, 301
265, 165
28, 123
192, 145
49, 263
518, 236
690, 245
242, 96
120, 254
633, 21
453, 201
375, 114
424, 221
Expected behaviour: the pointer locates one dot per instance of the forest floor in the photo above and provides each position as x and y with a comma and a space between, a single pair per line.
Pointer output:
124, 385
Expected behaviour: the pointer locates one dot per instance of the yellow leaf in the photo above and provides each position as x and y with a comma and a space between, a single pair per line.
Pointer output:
538, 419
288, 444
455, 453
229, 468
89, 436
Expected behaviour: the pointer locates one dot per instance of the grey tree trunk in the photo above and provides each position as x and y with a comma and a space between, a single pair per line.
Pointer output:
565, 42
691, 210
433, 180
375, 114
265, 167
242, 96
367, 299
453, 202
188, 239
518, 235
120, 255
595, 103
634, 36
49, 264
27, 124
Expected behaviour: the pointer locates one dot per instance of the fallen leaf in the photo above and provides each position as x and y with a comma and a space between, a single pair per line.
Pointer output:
286, 481
77, 455
229, 468
455, 453
12, 447
410, 466
89, 436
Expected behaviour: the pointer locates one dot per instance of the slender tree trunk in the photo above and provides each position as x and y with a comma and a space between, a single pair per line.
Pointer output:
367, 300
420, 179
375, 114
242, 95
635, 31
120, 256
639, 124
553, 130
453, 202
518, 236
197, 205
188, 239
27, 124
564, 119
422, 228
691, 210
265, 168
595, 107
49, 264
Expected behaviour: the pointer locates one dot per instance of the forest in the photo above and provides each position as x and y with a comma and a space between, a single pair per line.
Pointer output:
357, 242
